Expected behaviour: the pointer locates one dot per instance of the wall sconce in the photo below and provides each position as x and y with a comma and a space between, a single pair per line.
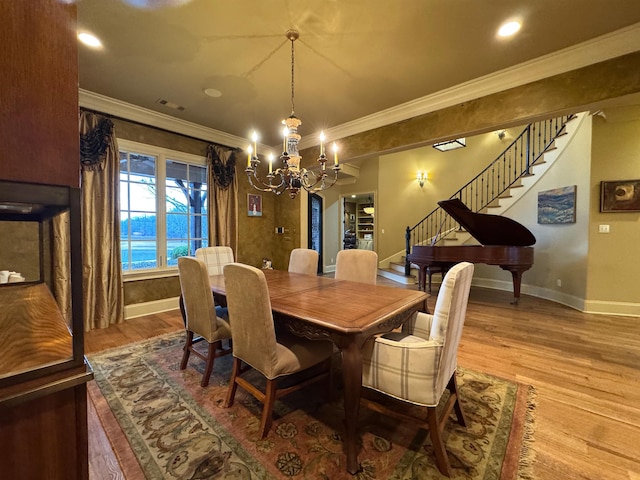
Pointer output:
501, 134
422, 177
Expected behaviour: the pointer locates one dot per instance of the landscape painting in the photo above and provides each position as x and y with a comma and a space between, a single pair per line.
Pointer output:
557, 205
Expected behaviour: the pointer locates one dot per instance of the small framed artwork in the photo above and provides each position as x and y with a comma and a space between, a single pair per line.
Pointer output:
255, 205
620, 196
352, 217
557, 205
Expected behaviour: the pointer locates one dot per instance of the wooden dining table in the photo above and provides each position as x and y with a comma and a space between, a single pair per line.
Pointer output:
347, 313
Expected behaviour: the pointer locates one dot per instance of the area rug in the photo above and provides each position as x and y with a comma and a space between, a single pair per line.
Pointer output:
163, 425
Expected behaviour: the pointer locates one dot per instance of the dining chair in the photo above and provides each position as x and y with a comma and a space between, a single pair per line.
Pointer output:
303, 260
215, 258
357, 266
256, 344
417, 364
200, 315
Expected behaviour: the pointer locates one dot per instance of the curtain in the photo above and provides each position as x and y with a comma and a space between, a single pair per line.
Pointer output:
223, 197
103, 302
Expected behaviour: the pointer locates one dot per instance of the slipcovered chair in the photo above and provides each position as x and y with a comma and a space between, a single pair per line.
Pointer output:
255, 343
357, 266
304, 260
417, 364
215, 258
200, 315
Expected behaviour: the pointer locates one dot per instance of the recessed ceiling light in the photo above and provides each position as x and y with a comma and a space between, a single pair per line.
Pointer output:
89, 40
509, 28
212, 92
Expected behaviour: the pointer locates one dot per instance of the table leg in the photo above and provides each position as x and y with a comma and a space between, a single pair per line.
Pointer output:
352, 375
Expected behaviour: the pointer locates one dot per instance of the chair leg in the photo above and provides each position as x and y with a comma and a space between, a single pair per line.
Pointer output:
187, 350
267, 408
457, 406
233, 386
442, 460
211, 355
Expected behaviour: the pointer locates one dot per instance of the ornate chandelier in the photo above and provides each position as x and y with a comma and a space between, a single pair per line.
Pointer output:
291, 177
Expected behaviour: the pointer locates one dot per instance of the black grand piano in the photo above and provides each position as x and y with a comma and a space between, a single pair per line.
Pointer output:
504, 242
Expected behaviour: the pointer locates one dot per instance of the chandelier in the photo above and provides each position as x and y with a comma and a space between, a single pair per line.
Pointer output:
291, 177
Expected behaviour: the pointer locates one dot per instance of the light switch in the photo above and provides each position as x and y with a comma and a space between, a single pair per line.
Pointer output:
603, 228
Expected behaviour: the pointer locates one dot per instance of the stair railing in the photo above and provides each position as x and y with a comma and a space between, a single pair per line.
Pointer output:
485, 188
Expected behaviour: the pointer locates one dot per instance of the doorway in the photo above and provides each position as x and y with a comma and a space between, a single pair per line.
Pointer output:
315, 226
358, 223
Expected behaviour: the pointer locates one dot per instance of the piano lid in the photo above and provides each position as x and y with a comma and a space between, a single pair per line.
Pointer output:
489, 229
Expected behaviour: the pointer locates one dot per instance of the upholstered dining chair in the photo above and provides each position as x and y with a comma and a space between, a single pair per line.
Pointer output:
304, 260
255, 343
215, 258
417, 364
357, 266
200, 315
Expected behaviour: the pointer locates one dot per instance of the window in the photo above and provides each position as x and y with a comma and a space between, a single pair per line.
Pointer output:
163, 206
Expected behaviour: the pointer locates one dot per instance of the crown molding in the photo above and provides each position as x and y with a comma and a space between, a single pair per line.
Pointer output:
600, 49
128, 111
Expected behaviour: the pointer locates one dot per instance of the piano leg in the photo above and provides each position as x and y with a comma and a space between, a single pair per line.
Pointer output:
516, 275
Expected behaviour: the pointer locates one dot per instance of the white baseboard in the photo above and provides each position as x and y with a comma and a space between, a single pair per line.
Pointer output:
148, 308
585, 306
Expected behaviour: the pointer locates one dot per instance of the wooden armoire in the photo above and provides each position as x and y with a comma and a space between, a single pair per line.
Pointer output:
43, 372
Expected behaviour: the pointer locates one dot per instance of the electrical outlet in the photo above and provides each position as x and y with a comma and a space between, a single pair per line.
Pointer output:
603, 228
559, 282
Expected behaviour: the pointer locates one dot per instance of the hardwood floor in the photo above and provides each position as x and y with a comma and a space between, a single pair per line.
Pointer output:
585, 368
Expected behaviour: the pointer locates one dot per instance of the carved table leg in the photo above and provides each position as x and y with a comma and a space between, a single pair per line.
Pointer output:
352, 374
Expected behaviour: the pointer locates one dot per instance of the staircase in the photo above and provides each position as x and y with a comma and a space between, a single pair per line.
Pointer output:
493, 190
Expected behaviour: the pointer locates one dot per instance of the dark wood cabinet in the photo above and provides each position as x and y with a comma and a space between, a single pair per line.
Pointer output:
43, 372
39, 93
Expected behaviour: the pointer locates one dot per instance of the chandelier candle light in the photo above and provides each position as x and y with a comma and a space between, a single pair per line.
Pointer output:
291, 177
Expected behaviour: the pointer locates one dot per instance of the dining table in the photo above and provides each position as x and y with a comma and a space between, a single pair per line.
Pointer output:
345, 312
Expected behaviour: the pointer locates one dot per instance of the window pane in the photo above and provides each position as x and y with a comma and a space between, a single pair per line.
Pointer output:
124, 194
143, 254
176, 170
124, 225
144, 165
143, 197
176, 226
176, 200
143, 226
198, 175
175, 249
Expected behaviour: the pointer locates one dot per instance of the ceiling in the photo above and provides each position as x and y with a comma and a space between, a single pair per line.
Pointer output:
354, 58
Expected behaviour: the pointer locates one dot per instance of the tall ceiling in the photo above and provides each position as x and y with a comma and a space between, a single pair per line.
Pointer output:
354, 58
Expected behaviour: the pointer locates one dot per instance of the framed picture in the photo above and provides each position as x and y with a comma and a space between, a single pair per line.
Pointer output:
557, 205
352, 217
255, 205
620, 196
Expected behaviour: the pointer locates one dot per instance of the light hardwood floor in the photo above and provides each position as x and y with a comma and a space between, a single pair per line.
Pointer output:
586, 370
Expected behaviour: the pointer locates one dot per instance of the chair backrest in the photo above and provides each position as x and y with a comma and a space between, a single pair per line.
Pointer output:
304, 260
197, 297
448, 317
215, 258
254, 337
357, 266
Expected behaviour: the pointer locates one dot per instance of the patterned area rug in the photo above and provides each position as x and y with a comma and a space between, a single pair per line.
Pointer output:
178, 430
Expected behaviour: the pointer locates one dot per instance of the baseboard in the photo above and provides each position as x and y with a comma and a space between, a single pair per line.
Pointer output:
148, 308
586, 306
626, 309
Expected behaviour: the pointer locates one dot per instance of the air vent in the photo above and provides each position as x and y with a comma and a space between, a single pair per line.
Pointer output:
169, 104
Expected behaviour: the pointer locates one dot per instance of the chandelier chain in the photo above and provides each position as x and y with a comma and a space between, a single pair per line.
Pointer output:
293, 39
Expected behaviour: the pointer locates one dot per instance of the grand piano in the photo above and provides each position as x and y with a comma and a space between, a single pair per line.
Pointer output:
504, 242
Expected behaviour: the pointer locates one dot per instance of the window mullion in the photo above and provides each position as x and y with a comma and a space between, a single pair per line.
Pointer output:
161, 211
